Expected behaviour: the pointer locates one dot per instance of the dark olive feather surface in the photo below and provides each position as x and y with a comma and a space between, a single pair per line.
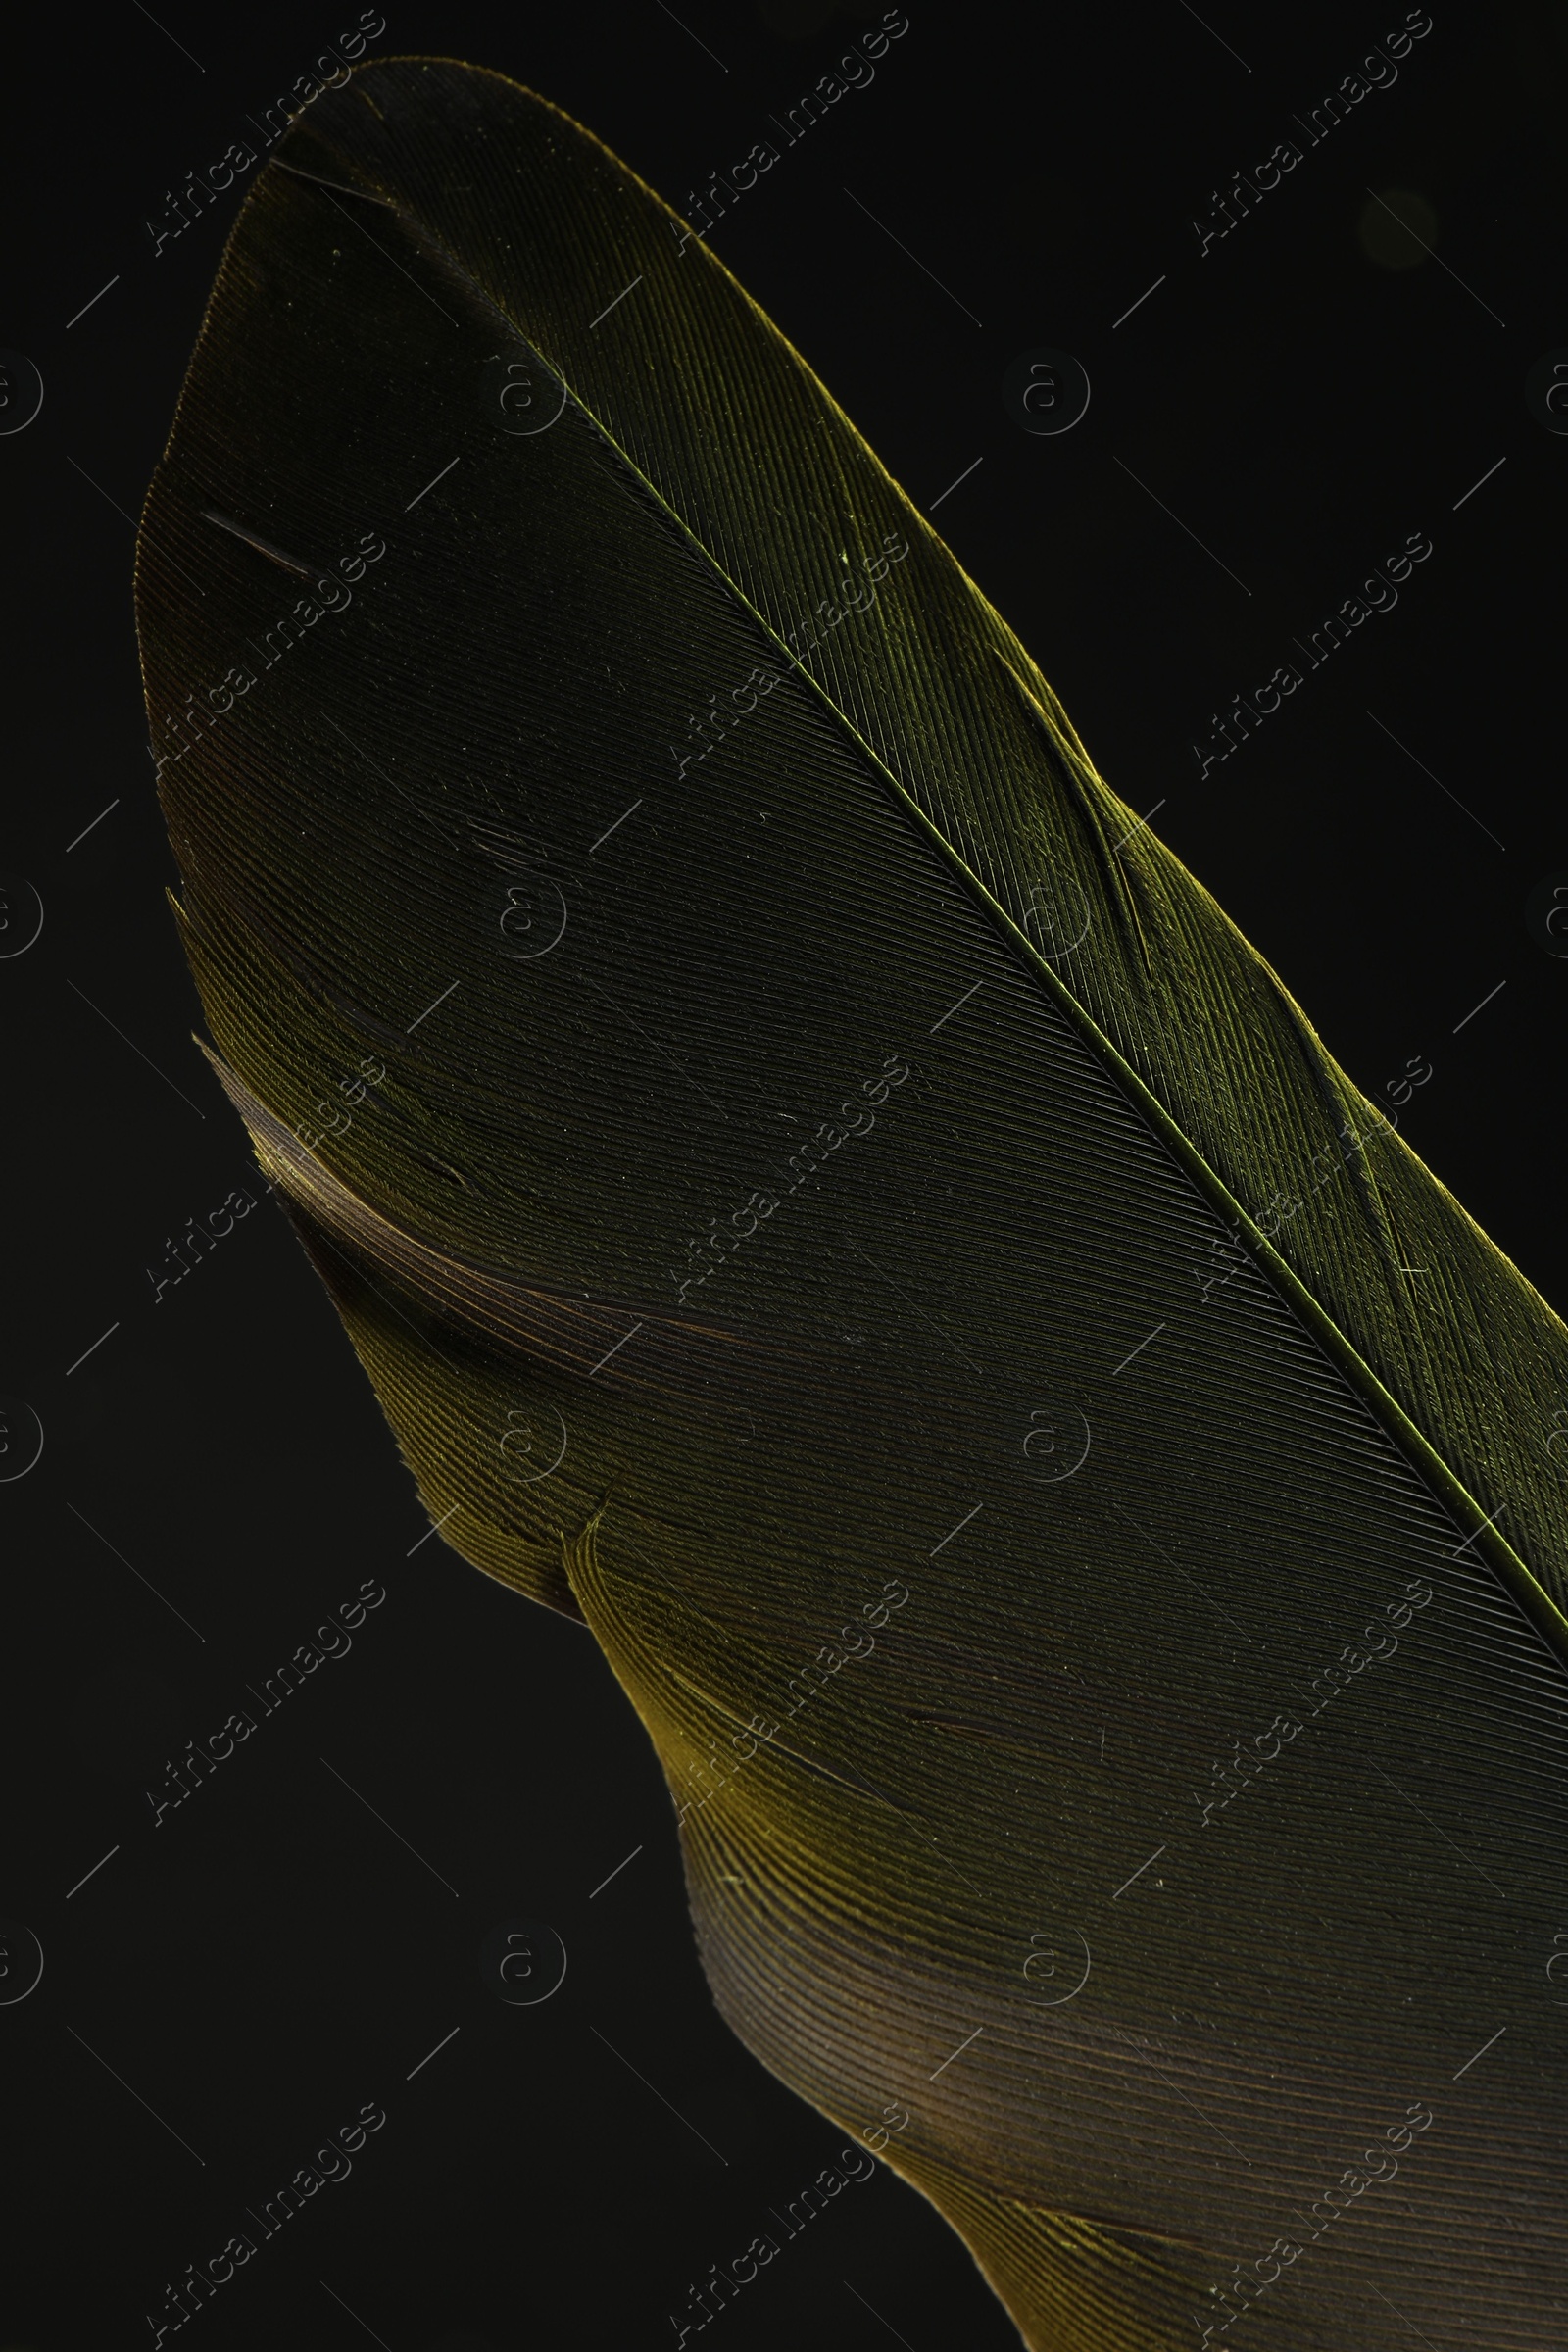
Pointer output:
837, 1206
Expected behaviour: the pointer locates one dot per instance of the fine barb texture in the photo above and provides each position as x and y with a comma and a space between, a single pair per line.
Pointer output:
825, 1198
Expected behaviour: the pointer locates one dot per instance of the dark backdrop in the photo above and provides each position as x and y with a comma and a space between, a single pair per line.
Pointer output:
233, 1983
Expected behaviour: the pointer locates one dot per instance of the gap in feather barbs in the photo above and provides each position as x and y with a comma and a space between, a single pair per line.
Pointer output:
707, 724
722, 1247
858, 73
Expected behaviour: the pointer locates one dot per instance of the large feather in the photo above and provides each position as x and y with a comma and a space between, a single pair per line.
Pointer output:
824, 1196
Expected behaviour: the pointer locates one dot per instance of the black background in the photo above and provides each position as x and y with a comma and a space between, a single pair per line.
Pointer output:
215, 1474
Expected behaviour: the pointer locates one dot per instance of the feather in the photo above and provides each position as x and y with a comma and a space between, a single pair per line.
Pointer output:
822, 1194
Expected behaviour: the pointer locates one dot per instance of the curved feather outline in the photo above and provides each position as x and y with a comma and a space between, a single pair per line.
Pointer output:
1133, 926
